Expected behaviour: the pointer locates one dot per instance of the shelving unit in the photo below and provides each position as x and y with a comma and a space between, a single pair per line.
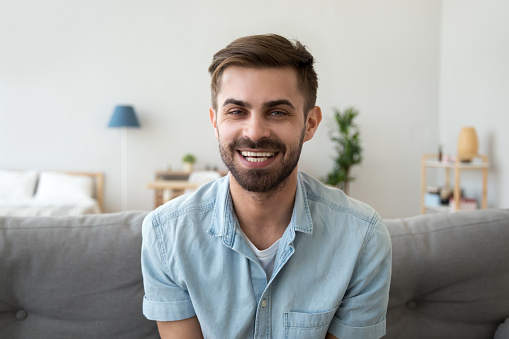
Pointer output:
431, 161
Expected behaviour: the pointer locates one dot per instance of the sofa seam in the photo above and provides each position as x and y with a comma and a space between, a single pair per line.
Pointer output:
481, 224
64, 226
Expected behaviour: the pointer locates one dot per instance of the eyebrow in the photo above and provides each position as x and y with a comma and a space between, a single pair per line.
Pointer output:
236, 103
279, 102
266, 105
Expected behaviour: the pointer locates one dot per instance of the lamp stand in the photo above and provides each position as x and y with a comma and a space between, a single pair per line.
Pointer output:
124, 168
124, 116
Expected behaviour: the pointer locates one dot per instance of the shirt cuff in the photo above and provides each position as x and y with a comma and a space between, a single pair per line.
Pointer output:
341, 330
168, 311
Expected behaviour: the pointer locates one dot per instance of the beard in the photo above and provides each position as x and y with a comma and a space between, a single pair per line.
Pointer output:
262, 180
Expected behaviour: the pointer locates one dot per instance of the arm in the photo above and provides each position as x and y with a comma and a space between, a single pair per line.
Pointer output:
363, 308
330, 336
188, 328
165, 301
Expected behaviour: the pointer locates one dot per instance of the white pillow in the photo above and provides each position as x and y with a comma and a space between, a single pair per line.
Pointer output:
61, 186
17, 184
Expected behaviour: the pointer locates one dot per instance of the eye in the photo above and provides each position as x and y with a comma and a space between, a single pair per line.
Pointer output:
277, 113
236, 112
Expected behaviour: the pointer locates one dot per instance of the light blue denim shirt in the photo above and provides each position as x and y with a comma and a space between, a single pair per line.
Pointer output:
331, 274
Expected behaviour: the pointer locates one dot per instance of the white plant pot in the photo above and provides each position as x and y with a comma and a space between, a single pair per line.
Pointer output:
188, 167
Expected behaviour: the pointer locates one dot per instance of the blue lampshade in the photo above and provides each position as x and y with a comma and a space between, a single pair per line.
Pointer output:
124, 116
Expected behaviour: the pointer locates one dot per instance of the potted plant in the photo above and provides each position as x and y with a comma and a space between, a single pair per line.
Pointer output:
188, 160
345, 135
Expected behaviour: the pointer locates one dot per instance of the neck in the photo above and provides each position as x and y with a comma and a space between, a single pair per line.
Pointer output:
264, 217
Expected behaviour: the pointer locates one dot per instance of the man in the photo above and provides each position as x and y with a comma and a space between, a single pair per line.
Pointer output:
267, 251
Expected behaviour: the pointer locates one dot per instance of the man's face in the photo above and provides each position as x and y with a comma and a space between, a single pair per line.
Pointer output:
260, 125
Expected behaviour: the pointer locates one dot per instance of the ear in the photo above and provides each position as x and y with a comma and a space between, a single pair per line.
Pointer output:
213, 121
313, 120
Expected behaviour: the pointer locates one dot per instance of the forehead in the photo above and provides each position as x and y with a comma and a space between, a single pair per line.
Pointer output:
259, 84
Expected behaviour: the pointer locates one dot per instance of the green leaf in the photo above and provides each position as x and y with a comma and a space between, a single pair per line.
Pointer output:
346, 136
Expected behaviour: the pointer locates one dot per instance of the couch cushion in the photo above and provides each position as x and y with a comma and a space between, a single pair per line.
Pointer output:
72, 277
450, 275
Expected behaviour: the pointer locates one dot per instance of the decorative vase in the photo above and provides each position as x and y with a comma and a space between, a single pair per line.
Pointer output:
467, 144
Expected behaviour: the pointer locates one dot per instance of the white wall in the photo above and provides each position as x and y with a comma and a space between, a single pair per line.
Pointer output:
474, 88
64, 65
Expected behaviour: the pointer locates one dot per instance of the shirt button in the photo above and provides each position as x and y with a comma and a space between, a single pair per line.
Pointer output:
21, 315
264, 303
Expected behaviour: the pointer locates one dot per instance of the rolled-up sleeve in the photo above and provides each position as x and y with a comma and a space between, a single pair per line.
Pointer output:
164, 299
362, 312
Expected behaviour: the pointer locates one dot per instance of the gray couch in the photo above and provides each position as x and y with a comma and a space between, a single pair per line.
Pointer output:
450, 276
72, 278
79, 277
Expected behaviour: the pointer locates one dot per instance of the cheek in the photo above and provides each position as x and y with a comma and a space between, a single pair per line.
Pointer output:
291, 135
225, 131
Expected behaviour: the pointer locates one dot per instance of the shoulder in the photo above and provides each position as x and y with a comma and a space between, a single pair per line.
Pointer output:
345, 218
325, 197
177, 230
188, 207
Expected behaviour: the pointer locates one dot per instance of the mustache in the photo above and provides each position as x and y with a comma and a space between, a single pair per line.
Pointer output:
264, 143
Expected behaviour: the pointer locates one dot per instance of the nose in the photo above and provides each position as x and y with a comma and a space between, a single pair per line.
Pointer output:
256, 128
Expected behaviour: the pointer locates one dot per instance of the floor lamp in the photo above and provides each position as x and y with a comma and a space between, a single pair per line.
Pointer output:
124, 117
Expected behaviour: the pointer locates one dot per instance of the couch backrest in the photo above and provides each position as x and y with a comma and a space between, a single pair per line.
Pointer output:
450, 275
80, 277
72, 277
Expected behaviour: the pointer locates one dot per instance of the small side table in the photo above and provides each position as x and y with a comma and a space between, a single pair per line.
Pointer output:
177, 187
171, 184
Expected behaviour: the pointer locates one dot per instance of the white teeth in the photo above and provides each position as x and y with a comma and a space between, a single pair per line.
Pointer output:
256, 159
260, 156
257, 154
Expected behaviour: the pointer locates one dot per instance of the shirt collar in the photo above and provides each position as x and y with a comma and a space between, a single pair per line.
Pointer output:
224, 222
301, 216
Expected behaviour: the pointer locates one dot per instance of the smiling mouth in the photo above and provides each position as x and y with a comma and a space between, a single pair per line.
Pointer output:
257, 156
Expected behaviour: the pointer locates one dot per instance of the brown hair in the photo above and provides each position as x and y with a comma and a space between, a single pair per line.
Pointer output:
263, 51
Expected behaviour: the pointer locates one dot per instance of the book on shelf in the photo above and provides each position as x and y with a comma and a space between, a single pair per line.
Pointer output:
465, 204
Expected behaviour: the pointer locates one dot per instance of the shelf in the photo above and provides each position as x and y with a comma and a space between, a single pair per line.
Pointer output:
461, 165
430, 161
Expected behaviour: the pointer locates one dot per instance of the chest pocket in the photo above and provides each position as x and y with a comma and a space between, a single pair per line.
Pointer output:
299, 325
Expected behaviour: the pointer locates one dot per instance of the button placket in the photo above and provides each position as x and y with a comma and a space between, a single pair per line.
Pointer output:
263, 323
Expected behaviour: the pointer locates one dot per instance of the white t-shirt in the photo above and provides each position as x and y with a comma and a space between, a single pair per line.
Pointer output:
267, 257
